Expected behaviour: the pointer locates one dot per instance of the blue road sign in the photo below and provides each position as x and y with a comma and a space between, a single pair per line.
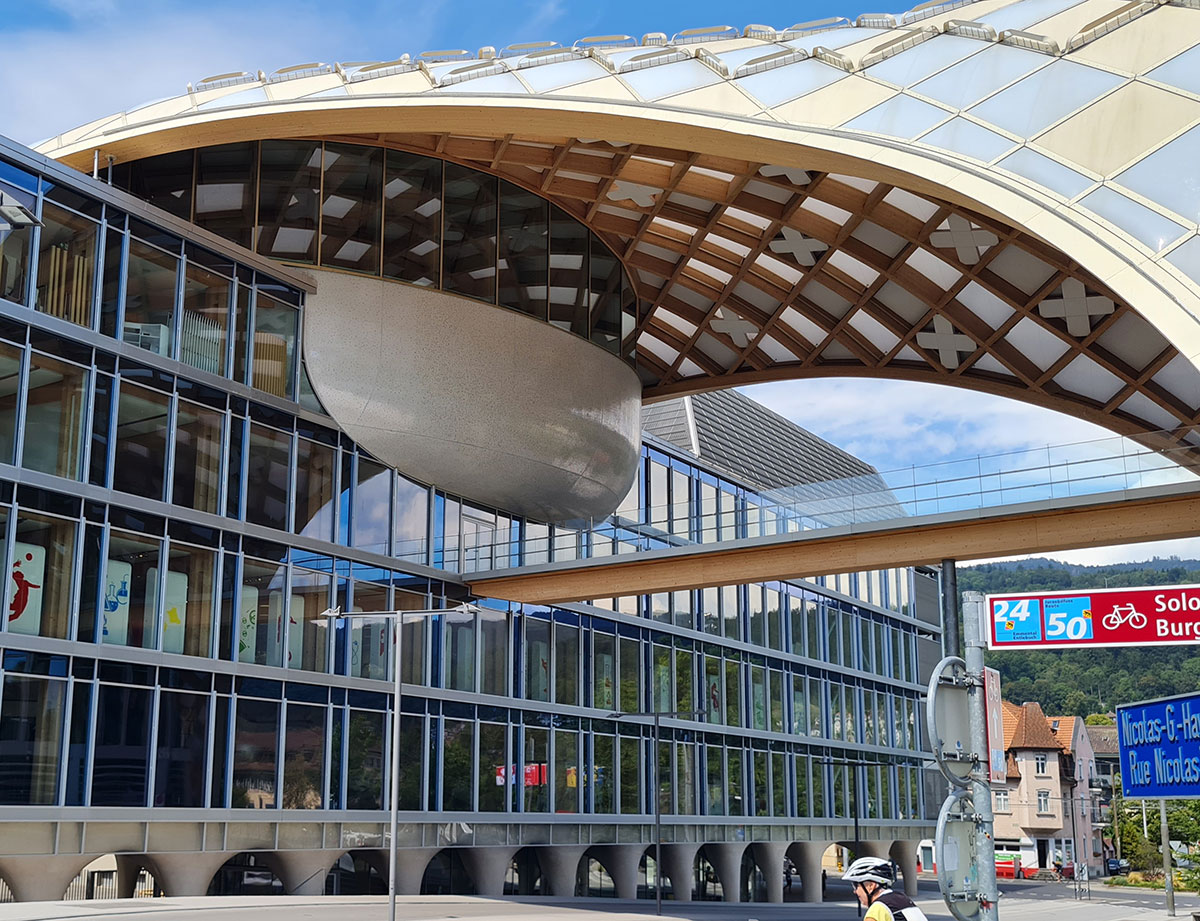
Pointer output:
1160, 748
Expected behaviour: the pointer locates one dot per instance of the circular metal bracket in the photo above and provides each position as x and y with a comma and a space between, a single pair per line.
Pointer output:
955, 765
958, 807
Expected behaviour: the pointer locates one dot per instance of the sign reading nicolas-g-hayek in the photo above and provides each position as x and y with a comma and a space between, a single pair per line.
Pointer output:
1160, 748
1164, 614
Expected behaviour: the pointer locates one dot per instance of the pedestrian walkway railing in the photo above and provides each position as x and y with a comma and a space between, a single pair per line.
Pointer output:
708, 515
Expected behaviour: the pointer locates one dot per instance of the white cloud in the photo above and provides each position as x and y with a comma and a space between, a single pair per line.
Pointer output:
894, 424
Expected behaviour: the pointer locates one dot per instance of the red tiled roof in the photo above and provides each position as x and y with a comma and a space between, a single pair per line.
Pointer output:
1030, 728
1066, 730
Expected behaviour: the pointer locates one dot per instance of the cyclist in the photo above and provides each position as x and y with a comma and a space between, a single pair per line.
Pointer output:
871, 879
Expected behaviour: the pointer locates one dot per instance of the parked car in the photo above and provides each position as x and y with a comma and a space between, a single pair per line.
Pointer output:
1116, 867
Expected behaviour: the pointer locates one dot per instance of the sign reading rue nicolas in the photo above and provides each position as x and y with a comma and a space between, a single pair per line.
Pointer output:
1160, 748
1163, 615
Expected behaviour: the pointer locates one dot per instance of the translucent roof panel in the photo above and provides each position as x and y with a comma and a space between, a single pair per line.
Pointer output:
834, 38
736, 57
979, 75
915, 64
1186, 258
1023, 15
668, 79
901, 117
1046, 172
1147, 226
775, 87
965, 137
1169, 176
1182, 70
254, 95
1044, 97
545, 77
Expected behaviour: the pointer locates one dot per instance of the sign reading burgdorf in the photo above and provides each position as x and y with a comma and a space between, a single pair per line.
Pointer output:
1160, 748
1166, 614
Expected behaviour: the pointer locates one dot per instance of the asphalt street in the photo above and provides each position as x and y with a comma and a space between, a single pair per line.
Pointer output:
1021, 901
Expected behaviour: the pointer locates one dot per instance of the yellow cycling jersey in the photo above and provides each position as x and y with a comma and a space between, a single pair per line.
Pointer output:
893, 906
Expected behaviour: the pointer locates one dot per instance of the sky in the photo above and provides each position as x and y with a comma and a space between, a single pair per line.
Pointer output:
68, 62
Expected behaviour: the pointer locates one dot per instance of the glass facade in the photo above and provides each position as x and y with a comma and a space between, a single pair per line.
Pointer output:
377, 211
186, 523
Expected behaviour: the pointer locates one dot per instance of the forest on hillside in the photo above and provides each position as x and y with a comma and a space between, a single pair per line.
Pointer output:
1083, 681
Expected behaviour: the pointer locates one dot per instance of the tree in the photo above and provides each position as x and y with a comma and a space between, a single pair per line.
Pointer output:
1098, 719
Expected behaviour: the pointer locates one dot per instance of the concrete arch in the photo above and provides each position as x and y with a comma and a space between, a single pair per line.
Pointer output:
41, 879
188, 874
303, 872
357, 873
678, 865
447, 874
726, 861
621, 862
523, 875
488, 867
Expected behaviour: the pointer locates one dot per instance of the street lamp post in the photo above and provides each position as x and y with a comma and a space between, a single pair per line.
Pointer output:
658, 715
335, 614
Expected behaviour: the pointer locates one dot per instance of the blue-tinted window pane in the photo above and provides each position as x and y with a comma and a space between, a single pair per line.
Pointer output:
351, 207
524, 243
412, 229
225, 190
288, 195
569, 295
182, 750
469, 254
121, 760
31, 726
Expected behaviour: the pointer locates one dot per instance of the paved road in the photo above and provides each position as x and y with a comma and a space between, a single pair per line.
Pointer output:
1022, 901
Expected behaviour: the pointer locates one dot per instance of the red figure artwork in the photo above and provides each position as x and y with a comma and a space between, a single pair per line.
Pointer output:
21, 596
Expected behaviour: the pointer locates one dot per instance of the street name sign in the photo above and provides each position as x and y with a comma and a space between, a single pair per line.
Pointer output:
1160, 748
1159, 616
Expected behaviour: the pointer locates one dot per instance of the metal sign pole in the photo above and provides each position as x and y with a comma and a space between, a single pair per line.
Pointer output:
981, 789
1168, 881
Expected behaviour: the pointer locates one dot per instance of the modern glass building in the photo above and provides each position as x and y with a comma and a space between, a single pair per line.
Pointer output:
180, 512
351, 335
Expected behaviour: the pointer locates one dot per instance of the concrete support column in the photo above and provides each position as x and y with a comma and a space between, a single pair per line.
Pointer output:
41, 879
622, 862
560, 868
129, 867
488, 867
905, 855
303, 872
188, 874
806, 855
679, 861
411, 863
726, 859
769, 857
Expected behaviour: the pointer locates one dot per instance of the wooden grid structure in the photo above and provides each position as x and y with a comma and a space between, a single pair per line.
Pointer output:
749, 273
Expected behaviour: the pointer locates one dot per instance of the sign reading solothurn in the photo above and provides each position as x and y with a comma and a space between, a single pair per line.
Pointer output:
1163, 615
1160, 748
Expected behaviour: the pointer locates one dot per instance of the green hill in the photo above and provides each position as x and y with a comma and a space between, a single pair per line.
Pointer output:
1079, 682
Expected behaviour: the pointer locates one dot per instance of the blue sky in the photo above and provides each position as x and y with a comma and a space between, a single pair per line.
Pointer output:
68, 62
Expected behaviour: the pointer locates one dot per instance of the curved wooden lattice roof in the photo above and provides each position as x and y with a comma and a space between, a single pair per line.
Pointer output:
1000, 194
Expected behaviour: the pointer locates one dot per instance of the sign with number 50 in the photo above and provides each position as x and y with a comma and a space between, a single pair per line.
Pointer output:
1095, 617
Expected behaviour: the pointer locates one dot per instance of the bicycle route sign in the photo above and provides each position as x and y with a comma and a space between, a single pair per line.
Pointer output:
1160, 748
1156, 616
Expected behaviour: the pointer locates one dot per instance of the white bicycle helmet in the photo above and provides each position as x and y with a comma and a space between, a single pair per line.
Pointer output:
873, 869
